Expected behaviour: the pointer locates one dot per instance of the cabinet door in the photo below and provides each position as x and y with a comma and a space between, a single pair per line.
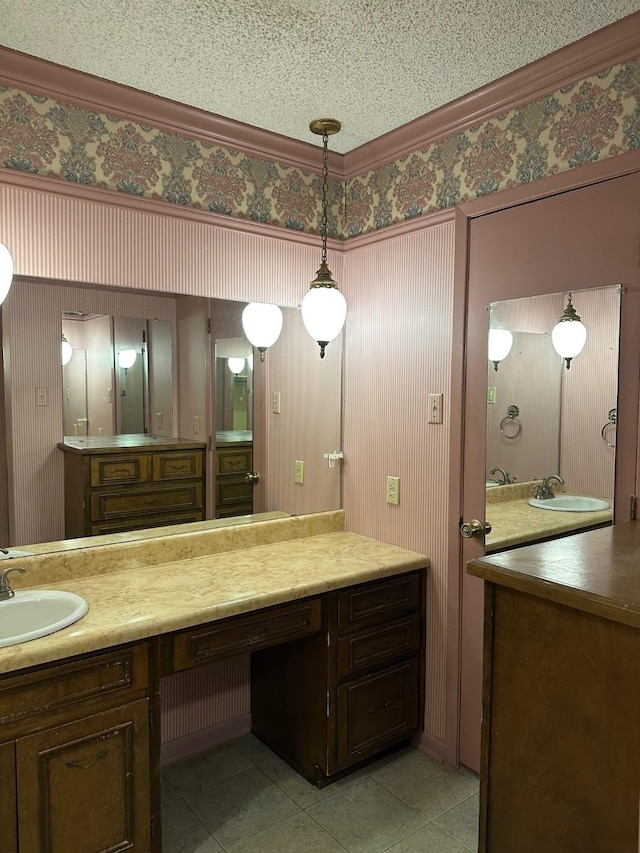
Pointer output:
84, 787
8, 833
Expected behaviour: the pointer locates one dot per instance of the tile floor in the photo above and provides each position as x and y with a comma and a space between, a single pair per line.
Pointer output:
242, 798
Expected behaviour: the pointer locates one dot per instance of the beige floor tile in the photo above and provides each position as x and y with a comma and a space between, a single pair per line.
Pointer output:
169, 793
303, 793
296, 834
429, 839
241, 806
182, 832
365, 817
253, 749
427, 786
192, 775
462, 822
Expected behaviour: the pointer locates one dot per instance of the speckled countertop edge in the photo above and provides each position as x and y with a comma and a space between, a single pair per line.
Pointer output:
130, 605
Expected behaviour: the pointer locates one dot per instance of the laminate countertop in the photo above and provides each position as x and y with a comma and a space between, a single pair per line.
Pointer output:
514, 522
597, 571
134, 593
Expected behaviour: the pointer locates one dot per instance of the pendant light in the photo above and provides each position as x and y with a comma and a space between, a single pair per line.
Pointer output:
235, 364
324, 308
67, 351
262, 324
6, 272
569, 335
500, 343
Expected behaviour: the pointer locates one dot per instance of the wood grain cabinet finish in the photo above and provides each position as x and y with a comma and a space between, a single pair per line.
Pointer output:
120, 488
234, 493
75, 756
334, 699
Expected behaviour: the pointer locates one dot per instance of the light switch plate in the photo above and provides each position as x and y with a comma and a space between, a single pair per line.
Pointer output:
393, 490
299, 472
435, 408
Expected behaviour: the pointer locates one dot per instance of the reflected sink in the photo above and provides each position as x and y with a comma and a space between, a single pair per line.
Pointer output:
571, 503
34, 613
12, 553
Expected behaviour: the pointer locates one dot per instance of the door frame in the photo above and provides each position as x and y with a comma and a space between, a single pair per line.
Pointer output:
595, 173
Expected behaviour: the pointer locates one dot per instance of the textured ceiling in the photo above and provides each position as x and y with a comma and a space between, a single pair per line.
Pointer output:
277, 64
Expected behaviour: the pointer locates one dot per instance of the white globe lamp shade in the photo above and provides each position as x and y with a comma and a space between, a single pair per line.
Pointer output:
127, 358
500, 343
6, 272
262, 324
324, 310
568, 338
569, 335
67, 352
236, 365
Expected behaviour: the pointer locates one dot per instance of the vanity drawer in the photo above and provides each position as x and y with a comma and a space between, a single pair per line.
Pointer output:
233, 491
115, 470
234, 461
57, 692
177, 465
240, 634
379, 601
142, 522
121, 504
376, 711
377, 646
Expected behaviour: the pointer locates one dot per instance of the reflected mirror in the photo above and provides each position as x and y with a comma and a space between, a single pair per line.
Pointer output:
545, 420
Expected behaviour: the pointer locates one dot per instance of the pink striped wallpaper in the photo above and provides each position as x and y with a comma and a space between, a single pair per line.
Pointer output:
398, 351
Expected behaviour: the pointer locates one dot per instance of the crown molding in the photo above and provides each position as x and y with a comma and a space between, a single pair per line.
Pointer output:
609, 46
22, 71
124, 201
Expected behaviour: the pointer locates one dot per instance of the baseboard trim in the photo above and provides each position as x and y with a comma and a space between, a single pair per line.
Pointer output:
430, 745
183, 747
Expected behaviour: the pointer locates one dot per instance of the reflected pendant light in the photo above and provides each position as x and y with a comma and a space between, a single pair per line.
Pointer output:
127, 358
236, 365
324, 308
262, 324
6, 272
569, 335
67, 351
500, 343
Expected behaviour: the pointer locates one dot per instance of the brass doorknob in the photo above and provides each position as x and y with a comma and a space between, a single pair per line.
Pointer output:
252, 477
474, 529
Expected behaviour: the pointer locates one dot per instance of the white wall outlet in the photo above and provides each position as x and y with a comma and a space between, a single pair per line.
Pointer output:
275, 402
196, 425
393, 490
42, 396
299, 472
435, 408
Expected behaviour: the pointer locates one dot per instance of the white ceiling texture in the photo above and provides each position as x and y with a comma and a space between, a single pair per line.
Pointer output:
277, 64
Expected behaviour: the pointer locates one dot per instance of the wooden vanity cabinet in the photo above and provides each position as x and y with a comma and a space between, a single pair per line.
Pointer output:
74, 756
336, 698
113, 489
234, 493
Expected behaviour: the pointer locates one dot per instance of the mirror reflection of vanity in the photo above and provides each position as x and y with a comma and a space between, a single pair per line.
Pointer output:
307, 427
544, 419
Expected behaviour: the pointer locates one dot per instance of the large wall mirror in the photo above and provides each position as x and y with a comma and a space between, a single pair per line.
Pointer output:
161, 366
546, 420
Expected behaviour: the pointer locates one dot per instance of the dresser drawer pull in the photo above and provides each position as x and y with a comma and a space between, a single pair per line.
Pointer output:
151, 501
381, 707
90, 763
121, 472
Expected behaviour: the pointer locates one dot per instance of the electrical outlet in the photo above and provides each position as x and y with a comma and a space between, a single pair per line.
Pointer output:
159, 420
491, 395
299, 471
42, 396
196, 425
393, 490
275, 402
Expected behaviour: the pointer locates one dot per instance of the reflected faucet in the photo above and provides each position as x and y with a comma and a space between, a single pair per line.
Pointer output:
505, 480
544, 492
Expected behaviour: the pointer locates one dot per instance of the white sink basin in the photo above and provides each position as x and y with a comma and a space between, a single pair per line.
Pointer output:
571, 503
34, 613
12, 553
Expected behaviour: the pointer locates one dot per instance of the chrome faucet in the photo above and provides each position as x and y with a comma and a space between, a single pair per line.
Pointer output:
544, 492
505, 480
6, 591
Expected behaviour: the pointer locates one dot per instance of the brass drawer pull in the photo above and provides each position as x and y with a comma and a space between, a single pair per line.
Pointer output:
120, 472
89, 764
151, 501
381, 707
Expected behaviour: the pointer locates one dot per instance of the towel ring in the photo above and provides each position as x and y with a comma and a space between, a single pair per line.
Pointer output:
610, 423
511, 418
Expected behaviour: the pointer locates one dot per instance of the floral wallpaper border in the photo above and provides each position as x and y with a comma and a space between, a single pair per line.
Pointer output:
593, 119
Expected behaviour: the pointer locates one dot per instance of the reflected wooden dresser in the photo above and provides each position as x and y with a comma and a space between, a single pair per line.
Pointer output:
234, 492
131, 482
